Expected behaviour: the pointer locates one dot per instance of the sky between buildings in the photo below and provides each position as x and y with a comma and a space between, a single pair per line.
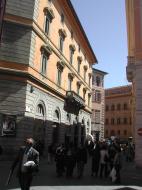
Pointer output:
104, 22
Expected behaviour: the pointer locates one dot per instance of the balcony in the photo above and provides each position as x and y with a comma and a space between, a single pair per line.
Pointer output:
73, 103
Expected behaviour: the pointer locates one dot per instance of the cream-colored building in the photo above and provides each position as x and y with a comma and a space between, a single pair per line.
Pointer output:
134, 69
98, 104
45, 74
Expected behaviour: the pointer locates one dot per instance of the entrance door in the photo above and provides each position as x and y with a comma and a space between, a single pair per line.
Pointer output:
39, 135
39, 128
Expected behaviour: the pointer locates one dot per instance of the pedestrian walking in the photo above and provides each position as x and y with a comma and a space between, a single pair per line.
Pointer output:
81, 158
103, 160
117, 164
50, 153
70, 160
59, 159
28, 162
95, 159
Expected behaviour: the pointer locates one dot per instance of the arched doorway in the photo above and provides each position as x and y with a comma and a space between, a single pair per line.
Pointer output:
56, 126
82, 131
68, 129
39, 127
76, 132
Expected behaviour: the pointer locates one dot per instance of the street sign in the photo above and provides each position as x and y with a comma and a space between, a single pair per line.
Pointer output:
139, 131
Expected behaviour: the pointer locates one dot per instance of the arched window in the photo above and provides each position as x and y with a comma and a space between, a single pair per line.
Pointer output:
40, 110
56, 114
83, 122
68, 117
88, 126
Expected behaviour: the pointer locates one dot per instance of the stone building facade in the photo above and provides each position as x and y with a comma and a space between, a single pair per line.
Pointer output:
118, 112
134, 69
45, 74
98, 104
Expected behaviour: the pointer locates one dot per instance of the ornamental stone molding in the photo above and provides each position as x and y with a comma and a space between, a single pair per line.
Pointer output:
60, 65
49, 12
79, 58
63, 33
85, 67
46, 49
71, 75
79, 83
72, 46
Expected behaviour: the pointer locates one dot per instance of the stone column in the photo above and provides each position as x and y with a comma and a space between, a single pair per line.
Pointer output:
138, 113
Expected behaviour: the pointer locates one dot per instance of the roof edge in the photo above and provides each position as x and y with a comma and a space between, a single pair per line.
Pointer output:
82, 30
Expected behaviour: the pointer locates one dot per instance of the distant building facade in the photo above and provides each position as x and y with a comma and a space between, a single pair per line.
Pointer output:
45, 74
98, 104
118, 112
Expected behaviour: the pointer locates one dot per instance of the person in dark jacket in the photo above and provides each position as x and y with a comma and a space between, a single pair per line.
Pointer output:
117, 164
95, 159
70, 160
81, 158
28, 162
59, 159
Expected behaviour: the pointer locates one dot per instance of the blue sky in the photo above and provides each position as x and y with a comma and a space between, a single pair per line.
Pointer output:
104, 22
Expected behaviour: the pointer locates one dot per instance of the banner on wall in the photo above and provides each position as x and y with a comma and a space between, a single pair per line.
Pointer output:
8, 125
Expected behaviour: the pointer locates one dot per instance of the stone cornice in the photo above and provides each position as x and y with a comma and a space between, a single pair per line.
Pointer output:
28, 76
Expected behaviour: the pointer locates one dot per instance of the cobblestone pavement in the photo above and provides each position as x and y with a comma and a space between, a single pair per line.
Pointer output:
131, 179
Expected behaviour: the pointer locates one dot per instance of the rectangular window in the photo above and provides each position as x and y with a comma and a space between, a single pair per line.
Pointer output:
78, 89
71, 56
62, 18
98, 96
89, 98
89, 80
61, 43
112, 121
59, 77
84, 74
47, 25
84, 94
107, 121
44, 64
97, 116
118, 121
78, 69
93, 96
69, 84
125, 120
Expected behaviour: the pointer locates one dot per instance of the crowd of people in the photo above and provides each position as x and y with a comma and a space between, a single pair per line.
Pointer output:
106, 159
104, 156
